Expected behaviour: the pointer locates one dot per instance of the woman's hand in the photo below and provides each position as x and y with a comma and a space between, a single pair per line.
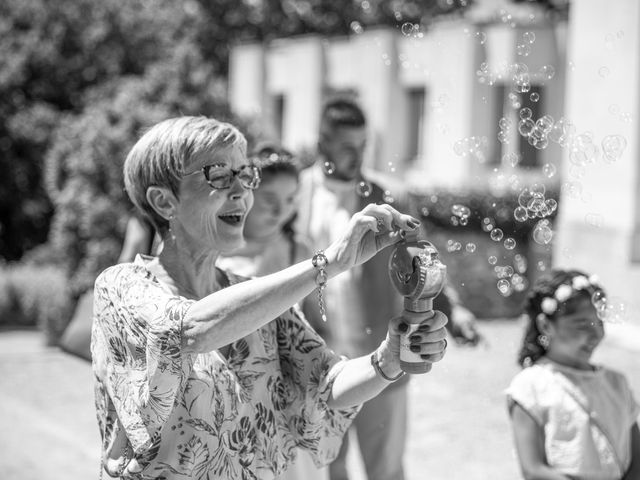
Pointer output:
429, 341
369, 231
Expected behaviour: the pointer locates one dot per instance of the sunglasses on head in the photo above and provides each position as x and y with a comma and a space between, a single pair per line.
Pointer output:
220, 176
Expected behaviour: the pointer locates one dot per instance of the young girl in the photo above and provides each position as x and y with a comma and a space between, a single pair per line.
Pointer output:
272, 245
571, 419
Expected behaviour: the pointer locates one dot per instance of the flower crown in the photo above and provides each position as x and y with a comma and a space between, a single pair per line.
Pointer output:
549, 304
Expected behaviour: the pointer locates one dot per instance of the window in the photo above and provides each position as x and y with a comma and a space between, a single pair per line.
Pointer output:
278, 115
415, 125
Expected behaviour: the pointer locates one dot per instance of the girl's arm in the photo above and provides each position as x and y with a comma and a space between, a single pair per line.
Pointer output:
529, 440
634, 470
234, 312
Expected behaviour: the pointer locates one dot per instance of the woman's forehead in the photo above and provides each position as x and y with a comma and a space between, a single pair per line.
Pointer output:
232, 155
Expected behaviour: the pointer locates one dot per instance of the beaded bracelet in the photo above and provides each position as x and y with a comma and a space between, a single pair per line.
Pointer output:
320, 261
376, 367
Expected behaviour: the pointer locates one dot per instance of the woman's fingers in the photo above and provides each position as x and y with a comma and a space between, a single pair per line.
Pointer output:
390, 218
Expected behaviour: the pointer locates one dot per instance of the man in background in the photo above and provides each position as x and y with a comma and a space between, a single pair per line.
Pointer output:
360, 302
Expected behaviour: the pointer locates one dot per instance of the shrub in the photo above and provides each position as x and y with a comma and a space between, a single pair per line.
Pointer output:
475, 262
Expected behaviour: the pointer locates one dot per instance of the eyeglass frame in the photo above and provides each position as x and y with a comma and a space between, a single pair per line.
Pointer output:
257, 177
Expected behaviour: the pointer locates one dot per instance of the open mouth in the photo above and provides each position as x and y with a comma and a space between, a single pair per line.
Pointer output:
233, 219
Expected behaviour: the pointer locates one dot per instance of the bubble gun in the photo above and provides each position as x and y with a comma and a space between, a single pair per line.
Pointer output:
418, 275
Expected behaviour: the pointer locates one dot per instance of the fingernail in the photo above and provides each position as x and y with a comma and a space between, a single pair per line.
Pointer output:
415, 220
414, 348
415, 338
403, 327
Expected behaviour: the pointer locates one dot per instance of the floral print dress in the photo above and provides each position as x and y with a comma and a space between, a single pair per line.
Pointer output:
165, 414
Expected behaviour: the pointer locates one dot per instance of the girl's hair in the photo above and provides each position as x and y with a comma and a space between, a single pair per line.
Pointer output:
273, 159
161, 155
546, 298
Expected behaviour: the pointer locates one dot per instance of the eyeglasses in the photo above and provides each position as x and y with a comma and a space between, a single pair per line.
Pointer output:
221, 177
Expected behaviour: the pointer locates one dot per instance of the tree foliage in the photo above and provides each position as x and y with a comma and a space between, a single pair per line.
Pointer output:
80, 79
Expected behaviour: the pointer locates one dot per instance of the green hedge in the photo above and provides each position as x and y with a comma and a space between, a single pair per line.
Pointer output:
469, 270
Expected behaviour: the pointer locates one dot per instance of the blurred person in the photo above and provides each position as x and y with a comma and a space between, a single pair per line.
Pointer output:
571, 419
200, 373
139, 238
360, 300
271, 245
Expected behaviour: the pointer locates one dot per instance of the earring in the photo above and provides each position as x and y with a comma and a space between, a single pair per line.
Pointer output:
543, 341
171, 235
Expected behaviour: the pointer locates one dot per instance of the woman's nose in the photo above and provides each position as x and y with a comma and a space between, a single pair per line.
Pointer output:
237, 190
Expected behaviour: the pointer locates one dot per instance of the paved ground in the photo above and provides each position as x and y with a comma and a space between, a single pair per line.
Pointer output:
459, 428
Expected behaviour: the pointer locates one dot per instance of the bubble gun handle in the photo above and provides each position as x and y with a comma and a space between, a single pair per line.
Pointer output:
418, 275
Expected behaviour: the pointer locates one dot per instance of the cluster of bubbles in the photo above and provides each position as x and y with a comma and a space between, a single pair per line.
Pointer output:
611, 310
511, 278
532, 203
518, 73
472, 146
524, 48
537, 133
504, 125
410, 29
460, 215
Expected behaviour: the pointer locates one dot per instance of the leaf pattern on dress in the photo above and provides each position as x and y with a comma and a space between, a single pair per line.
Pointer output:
240, 416
246, 382
238, 353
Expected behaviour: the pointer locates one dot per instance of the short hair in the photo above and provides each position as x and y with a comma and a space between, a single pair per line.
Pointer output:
274, 159
341, 112
161, 155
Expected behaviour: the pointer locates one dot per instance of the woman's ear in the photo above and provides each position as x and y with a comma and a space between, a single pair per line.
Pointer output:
544, 324
163, 201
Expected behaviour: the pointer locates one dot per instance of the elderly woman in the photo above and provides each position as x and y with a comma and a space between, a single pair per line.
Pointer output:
200, 374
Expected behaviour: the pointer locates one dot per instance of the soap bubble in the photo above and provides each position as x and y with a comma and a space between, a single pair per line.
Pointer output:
526, 126
356, 27
549, 170
329, 167
541, 266
504, 287
520, 214
603, 72
529, 37
364, 189
487, 224
496, 234
461, 211
525, 197
537, 188
519, 283
509, 243
525, 113
387, 197
504, 123
614, 311
470, 247
534, 97
599, 299
547, 72
523, 49
407, 28
492, 260
520, 262
612, 147
511, 158
542, 233
503, 137
481, 37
